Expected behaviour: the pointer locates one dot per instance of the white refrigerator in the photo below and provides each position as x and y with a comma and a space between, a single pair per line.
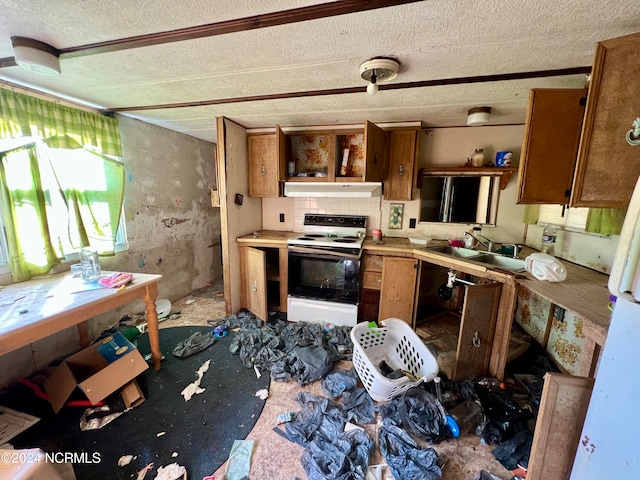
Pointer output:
609, 446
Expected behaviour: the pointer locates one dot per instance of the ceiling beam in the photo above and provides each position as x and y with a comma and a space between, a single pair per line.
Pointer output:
294, 15
341, 91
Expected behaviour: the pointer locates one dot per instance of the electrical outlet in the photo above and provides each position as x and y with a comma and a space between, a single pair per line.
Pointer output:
412, 223
282, 218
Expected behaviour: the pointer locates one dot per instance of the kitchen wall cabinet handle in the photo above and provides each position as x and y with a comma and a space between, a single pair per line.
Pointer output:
633, 135
255, 286
263, 170
476, 339
401, 169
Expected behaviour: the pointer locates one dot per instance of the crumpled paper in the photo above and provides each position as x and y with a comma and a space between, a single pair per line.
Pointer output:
98, 422
171, 472
194, 388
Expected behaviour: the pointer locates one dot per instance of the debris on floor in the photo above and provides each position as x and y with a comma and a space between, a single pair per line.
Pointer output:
194, 388
171, 472
143, 472
196, 342
239, 462
302, 351
13, 422
285, 417
262, 394
125, 460
99, 418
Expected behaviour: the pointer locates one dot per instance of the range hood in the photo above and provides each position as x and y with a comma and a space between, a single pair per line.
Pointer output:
333, 189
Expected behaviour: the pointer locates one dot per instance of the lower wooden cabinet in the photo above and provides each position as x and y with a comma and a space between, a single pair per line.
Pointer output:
264, 279
460, 327
388, 288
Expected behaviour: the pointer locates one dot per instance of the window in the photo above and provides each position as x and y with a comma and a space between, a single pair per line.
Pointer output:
61, 184
572, 219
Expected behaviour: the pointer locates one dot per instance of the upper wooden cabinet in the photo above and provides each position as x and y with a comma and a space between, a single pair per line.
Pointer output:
401, 168
550, 146
350, 155
266, 164
377, 148
608, 166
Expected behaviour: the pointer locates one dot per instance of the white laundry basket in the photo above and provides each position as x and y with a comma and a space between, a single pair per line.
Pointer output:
398, 345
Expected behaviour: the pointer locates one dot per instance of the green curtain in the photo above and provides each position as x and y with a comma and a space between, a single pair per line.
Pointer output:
59, 198
531, 214
94, 199
24, 210
606, 221
25, 116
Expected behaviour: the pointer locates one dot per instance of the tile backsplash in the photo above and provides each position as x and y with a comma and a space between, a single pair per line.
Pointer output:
345, 206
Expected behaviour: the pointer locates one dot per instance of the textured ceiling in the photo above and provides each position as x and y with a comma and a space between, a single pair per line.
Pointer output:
431, 39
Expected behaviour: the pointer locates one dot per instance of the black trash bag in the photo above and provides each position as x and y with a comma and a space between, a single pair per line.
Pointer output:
423, 416
318, 419
338, 341
339, 381
309, 364
358, 406
405, 458
346, 458
389, 411
514, 451
194, 344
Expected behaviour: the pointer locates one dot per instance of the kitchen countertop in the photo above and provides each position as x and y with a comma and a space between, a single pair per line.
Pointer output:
584, 292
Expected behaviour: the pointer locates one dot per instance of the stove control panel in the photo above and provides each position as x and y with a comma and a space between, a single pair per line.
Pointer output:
326, 220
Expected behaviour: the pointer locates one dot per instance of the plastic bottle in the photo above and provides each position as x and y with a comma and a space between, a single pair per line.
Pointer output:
492, 384
549, 239
478, 158
464, 417
545, 267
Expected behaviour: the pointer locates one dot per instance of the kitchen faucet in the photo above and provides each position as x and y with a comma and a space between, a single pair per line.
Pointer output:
489, 245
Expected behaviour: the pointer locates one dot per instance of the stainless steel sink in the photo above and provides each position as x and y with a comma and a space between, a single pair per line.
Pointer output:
454, 251
507, 263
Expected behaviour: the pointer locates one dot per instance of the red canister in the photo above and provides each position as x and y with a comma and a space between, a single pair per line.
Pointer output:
377, 235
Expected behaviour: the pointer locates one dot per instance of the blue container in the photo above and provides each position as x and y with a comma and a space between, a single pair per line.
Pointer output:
115, 346
503, 159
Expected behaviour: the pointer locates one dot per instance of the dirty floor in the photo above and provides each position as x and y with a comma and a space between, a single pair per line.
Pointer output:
274, 457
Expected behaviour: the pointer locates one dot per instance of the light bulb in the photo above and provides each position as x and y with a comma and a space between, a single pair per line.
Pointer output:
372, 88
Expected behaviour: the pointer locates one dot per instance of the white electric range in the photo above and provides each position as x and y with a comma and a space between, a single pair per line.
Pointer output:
324, 269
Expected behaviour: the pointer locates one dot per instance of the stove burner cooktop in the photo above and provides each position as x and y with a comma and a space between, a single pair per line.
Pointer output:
344, 240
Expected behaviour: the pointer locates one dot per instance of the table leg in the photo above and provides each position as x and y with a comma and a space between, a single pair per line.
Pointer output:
152, 324
84, 334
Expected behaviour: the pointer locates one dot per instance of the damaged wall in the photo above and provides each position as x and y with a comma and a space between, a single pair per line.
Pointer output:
172, 230
559, 331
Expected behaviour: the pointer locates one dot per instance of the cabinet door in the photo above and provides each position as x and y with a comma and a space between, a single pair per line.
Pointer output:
563, 408
377, 147
266, 164
608, 165
397, 292
401, 167
477, 324
255, 277
550, 147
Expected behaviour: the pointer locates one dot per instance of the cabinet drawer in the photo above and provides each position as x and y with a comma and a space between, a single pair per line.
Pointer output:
373, 263
372, 280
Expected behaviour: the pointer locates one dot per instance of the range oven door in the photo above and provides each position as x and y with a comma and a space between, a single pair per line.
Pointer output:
324, 275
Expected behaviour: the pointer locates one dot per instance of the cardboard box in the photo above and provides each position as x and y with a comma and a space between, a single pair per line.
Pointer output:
93, 374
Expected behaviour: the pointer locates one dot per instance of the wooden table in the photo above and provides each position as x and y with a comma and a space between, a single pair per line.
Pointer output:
33, 310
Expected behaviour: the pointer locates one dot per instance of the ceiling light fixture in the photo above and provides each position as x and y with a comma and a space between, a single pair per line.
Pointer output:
478, 116
36, 56
378, 69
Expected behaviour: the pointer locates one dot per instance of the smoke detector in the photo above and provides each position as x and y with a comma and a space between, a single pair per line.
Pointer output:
379, 69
